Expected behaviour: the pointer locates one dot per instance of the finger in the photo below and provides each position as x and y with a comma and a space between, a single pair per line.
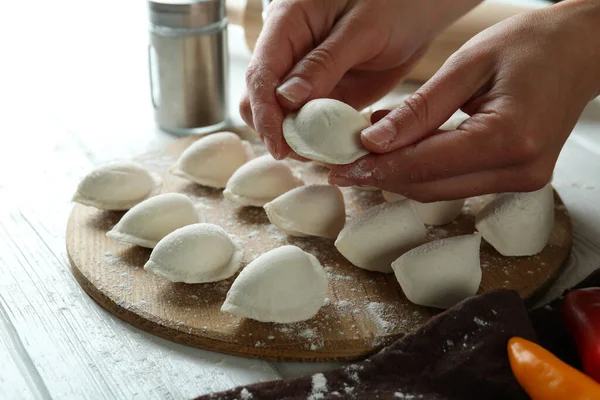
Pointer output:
361, 88
246, 110
430, 106
378, 115
319, 71
483, 142
514, 179
286, 36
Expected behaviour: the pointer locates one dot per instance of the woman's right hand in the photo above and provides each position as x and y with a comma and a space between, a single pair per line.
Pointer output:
354, 51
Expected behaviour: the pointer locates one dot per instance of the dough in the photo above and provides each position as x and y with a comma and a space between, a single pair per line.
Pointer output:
367, 188
211, 160
380, 235
196, 253
153, 219
518, 224
284, 285
316, 210
117, 186
454, 121
259, 181
440, 273
326, 130
439, 212
389, 196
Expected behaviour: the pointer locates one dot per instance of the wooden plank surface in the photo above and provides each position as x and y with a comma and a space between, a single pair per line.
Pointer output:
75, 95
366, 310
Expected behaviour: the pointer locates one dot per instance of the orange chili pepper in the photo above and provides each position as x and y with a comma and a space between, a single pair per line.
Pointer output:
545, 377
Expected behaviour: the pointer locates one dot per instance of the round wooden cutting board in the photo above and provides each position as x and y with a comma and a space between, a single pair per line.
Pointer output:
363, 311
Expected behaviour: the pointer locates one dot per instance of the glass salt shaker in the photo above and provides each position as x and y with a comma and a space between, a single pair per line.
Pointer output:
188, 62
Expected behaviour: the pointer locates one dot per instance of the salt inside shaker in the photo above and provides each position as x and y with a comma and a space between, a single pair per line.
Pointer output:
188, 64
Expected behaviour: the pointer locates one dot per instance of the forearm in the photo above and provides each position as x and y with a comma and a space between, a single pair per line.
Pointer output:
583, 25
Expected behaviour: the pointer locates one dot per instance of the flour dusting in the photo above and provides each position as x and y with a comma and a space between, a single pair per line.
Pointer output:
319, 387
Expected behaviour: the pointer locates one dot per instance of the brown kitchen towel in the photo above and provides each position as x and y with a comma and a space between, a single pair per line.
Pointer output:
459, 354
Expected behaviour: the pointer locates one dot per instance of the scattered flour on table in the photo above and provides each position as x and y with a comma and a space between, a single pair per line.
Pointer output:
319, 387
245, 394
111, 259
400, 395
308, 334
480, 322
379, 315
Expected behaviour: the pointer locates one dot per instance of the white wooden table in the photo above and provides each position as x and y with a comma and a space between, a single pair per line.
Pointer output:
73, 95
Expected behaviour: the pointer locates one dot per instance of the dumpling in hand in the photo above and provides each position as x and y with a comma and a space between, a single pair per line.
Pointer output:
440, 273
117, 186
196, 253
390, 196
211, 160
380, 235
316, 210
259, 181
518, 224
326, 130
284, 285
153, 219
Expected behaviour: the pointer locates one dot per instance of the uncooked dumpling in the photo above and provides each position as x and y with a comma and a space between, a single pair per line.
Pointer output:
367, 188
316, 210
283, 285
389, 196
380, 235
211, 160
440, 273
326, 130
518, 224
153, 219
196, 253
117, 186
454, 121
259, 181
438, 212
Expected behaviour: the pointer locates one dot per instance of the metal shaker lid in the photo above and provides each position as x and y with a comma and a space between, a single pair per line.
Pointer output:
186, 13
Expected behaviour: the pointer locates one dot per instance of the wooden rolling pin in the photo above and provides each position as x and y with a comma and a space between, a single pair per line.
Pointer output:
248, 14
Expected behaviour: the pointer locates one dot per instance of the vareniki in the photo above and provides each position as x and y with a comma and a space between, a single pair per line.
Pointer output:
326, 130
440, 273
211, 160
380, 235
117, 186
153, 219
316, 210
259, 181
196, 253
283, 285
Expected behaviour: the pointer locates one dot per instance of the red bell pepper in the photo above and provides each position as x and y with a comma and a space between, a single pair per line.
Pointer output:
581, 312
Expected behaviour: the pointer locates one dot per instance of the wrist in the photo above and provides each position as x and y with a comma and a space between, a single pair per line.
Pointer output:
582, 21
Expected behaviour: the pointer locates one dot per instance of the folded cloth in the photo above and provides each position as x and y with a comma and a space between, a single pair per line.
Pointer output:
458, 354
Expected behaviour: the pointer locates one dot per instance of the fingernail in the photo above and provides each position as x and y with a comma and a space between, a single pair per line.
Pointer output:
381, 134
341, 181
295, 89
270, 144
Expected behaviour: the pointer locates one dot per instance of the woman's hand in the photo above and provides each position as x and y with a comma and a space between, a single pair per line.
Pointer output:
355, 51
524, 82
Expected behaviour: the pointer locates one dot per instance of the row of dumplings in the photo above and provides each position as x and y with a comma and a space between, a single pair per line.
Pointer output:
388, 237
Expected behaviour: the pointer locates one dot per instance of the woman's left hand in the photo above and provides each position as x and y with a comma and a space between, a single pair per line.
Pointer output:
524, 82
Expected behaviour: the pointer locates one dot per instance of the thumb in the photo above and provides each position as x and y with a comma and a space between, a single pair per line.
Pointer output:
421, 114
321, 69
